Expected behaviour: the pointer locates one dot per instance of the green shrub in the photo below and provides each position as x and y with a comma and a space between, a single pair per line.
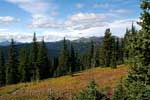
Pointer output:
90, 93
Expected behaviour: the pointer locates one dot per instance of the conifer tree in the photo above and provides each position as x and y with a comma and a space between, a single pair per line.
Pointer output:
91, 55
78, 62
34, 64
90, 93
55, 66
120, 92
12, 75
64, 64
117, 50
121, 51
96, 57
114, 54
73, 60
101, 55
85, 61
126, 44
137, 84
24, 65
43, 61
2, 69
129, 38
105, 50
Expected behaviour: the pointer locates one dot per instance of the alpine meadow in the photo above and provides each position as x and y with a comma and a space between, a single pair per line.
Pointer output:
75, 50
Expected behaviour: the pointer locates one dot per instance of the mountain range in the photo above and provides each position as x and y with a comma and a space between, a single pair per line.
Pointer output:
80, 40
80, 45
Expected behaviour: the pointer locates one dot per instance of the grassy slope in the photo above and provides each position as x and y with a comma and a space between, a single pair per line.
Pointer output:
106, 78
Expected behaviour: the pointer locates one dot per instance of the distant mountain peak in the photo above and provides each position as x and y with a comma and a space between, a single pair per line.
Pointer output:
6, 43
89, 39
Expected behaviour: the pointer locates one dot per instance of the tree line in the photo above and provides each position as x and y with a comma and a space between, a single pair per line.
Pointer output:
34, 63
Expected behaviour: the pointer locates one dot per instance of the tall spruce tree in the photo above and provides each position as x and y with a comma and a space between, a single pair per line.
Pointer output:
12, 75
91, 55
121, 55
137, 84
120, 92
24, 65
55, 66
126, 44
72, 60
114, 53
97, 57
129, 42
43, 61
85, 61
101, 55
63, 67
2, 69
117, 50
105, 50
90, 93
34, 64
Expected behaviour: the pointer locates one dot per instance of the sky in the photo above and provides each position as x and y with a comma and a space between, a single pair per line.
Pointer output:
55, 19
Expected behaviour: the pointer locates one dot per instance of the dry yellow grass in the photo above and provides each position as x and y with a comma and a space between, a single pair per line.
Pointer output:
106, 78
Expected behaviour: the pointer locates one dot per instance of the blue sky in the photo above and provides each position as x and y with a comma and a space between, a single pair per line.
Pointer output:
55, 19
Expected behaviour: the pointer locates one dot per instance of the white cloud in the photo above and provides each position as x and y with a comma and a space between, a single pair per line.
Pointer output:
43, 9
117, 27
7, 19
31, 6
121, 11
101, 5
77, 21
3, 29
35, 7
79, 5
40, 21
82, 21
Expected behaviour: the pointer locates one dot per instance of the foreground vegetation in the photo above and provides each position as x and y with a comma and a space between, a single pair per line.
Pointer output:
106, 79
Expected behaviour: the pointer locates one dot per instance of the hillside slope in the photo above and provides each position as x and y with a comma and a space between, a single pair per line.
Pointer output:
106, 78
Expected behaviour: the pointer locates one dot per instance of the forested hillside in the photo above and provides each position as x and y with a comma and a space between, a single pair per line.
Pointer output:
54, 48
65, 86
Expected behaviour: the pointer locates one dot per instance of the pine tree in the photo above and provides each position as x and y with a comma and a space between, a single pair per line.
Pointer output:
63, 67
90, 93
24, 65
55, 66
129, 38
121, 55
84, 60
43, 61
137, 83
96, 57
2, 69
78, 62
117, 50
105, 50
12, 74
72, 60
120, 92
114, 54
34, 64
91, 55
101, 55
126, 44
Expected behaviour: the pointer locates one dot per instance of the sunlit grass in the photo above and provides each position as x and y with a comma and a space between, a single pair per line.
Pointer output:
106, 78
